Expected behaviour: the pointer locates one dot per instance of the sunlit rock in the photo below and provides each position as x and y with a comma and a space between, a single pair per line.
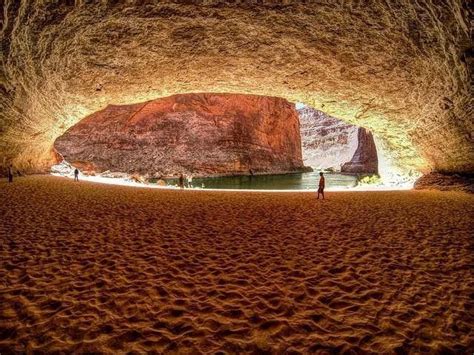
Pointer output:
63, 168
201, 134
364, 160
327, 142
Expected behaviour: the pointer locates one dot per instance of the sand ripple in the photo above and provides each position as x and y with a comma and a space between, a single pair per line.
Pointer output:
86, 267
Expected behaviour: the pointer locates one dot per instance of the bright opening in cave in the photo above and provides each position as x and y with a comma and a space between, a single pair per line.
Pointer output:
223, 141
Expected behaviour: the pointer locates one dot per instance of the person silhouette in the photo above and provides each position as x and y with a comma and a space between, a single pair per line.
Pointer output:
76, 174
10, 173
321, 185
181, 181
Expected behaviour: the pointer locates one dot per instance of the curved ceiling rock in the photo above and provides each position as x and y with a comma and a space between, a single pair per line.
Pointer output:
400, 68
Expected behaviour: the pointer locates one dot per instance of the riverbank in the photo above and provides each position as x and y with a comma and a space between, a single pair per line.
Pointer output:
305, 183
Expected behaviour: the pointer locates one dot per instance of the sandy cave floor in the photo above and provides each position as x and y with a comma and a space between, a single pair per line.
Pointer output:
91, 267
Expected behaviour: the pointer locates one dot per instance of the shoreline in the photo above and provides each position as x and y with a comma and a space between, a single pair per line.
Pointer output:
127, 182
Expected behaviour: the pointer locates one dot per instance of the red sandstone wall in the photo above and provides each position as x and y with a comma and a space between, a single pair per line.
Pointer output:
204, 134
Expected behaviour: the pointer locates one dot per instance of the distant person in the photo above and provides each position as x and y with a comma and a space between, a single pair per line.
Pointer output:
181, 181
321, 185
190, 181
76, 174
10, 173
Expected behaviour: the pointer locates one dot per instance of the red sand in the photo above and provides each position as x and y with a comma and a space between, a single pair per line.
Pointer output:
90, 267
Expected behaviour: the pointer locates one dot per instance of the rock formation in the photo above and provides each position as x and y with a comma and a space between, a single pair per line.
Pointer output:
400, 68
203, 134
445, 182
327, 142
365, 159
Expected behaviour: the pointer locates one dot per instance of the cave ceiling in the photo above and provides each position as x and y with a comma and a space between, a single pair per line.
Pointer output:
401, 68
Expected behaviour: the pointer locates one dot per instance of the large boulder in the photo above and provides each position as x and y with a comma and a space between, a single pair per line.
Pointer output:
203, 134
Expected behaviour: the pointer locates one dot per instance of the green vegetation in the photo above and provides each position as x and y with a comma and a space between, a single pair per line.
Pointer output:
369, 180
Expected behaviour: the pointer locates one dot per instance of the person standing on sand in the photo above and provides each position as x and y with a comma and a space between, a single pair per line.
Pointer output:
181, 181
10, 173
321, 185
190, 180
76, 174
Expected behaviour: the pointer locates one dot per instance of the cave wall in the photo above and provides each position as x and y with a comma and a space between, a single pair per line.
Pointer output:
202, 134
400, 68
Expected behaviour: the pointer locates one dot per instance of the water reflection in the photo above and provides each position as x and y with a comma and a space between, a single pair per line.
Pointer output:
297, 181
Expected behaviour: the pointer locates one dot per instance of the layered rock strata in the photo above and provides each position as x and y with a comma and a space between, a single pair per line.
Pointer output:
202, 134
327, 142
365, 159
444, 182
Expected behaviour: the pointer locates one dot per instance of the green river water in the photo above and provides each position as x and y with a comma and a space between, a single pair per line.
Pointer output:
296, 181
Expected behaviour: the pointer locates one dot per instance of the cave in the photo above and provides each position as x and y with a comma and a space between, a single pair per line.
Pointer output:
95, 268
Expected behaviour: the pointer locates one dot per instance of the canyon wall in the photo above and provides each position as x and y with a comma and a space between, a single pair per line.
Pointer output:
202, 134
364, 160
329, 143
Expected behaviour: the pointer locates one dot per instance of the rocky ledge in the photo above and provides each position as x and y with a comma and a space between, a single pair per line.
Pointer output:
445, 182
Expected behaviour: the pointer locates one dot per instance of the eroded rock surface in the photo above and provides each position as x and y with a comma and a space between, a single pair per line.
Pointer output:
444, 182
327, 142
400, 68
365, 159
202, 134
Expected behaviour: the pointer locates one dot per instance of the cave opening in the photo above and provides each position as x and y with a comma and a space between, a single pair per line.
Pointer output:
222, 141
